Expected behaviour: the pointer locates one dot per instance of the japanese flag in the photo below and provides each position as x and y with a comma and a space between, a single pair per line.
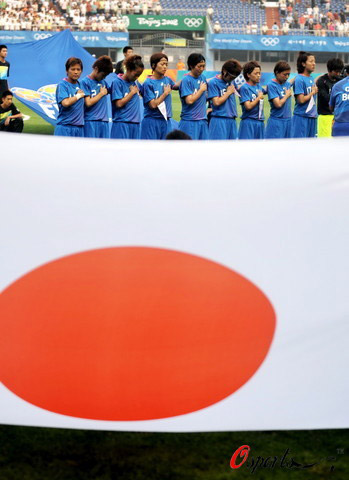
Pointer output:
174, 286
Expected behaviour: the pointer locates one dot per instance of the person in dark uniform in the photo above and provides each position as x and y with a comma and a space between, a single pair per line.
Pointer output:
11, 119
4, 70
325, 84
120, 66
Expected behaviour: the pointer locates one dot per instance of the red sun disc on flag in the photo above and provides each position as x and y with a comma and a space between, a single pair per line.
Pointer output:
131, 333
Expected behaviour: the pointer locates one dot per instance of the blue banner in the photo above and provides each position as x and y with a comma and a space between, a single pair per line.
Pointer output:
225, 41
37, 67
86, 39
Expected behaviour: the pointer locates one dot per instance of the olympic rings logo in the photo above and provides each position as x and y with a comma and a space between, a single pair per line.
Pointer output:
193, 22
41, 36
270, 41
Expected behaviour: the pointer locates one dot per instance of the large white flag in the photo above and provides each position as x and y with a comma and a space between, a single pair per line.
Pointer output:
174, 286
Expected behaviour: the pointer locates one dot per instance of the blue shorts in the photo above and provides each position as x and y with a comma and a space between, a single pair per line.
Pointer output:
303, 127
155, 128
197, 129
96, 129
251, 128
340, 129
125, 130
222, 128
278, 128
69, 131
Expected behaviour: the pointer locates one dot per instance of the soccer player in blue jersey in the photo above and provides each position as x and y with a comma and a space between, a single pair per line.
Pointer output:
96, 100
126, 107
70, 101
157, 100
279, 95
221, 93
193, 95
339, 102
251, 99
305, 112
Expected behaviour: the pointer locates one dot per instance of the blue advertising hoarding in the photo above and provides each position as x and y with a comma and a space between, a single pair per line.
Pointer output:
85, 39
225, 41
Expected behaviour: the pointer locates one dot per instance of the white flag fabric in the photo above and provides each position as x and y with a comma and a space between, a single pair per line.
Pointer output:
174, 286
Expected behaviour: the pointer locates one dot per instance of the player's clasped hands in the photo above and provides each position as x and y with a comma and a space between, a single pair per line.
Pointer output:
167, 90
134, 89
80, 94
203, 86
103, 91
230, 89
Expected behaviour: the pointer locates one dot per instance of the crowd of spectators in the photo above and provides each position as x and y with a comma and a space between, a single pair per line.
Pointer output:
84, 15
105, 15
318, 18
30, 15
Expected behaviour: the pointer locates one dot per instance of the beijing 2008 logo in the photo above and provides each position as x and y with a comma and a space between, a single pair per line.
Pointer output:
193, 22
270, 42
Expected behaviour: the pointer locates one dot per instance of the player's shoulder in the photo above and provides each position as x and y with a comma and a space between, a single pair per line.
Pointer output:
169, 80
86, 80
340, 86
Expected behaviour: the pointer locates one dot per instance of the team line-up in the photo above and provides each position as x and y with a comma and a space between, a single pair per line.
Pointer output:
83, 105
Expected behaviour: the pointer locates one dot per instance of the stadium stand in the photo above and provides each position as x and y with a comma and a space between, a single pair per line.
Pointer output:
233, 15
293, 17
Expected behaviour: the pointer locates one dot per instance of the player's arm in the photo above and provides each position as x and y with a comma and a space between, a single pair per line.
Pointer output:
249, 104
155, 102
279, 102
217, 101
304, 98
69, 101
122, 101
90, 101
190, 99
14, 114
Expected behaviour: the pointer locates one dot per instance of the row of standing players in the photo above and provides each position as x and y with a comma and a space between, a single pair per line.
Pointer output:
83, 105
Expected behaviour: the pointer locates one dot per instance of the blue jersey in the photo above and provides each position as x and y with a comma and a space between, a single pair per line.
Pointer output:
197, 110
339, 100
131, 112
73, 115
275, 90
98, 111
152, 89
217, 88
250, 93
304, 84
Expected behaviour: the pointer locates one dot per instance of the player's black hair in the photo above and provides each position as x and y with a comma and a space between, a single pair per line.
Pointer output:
134, 62
3, 46
346, 69
155, 59
335, 65
73, 61
6, 93
281, 66
178, 135
302, 58
232, 67
128, 47
249, 67
194, 59
104, 64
